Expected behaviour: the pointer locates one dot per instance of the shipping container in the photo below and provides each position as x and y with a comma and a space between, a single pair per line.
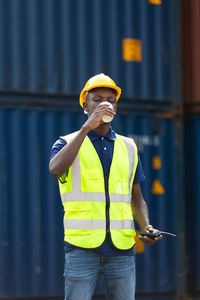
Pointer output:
31, 233
191, 51
192, 171
54, 46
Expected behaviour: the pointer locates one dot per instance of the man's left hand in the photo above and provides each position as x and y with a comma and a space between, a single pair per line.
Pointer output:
148, 240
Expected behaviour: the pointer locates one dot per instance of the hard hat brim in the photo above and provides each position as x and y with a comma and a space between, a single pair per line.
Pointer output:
84, 91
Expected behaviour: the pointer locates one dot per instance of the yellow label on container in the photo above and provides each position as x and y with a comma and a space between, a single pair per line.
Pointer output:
139, 245
155, 2
132, 50
157, 187
156, 162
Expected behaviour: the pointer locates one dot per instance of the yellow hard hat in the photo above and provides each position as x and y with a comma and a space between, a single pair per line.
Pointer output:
99, 80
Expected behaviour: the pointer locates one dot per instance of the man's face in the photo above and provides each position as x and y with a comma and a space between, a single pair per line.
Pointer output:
98, 95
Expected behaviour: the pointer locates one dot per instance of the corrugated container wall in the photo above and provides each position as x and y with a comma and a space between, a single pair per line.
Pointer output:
31, 234
192, 158
191, 48
48, 50
54, 46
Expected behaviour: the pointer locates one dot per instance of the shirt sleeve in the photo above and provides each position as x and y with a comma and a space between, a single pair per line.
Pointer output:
139, 174
57, 146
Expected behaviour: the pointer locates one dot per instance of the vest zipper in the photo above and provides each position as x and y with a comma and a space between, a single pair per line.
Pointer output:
107, 205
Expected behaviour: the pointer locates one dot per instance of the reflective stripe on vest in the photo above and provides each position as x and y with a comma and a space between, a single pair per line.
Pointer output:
98, 224
83, 196
89, 196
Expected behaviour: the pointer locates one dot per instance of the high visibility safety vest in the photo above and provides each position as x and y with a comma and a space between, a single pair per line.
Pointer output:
95, 205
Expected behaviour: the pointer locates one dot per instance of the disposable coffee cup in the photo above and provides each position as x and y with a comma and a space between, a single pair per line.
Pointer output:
107, 118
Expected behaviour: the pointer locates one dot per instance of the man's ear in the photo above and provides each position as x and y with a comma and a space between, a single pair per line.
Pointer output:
85, 106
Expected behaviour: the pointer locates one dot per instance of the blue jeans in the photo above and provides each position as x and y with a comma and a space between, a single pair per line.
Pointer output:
81, 273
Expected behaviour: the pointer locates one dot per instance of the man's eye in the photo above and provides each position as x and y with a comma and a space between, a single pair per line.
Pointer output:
112, 100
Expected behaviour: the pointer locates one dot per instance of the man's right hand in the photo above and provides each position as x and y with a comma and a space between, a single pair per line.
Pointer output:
95, 119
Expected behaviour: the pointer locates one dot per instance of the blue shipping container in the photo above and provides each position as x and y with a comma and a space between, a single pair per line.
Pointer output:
54, 46
192, 146
31, 233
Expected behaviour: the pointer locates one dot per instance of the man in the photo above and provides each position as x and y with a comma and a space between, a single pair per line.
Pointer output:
99, 175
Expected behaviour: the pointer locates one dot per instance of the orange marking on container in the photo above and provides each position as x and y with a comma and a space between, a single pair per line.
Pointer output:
157, 2
132, 50
157, 187
139, 245
156, 162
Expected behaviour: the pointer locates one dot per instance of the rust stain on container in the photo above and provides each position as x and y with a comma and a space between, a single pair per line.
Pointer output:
191, 46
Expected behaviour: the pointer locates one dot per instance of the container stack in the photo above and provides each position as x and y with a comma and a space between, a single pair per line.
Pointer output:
48, 51
191, 43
